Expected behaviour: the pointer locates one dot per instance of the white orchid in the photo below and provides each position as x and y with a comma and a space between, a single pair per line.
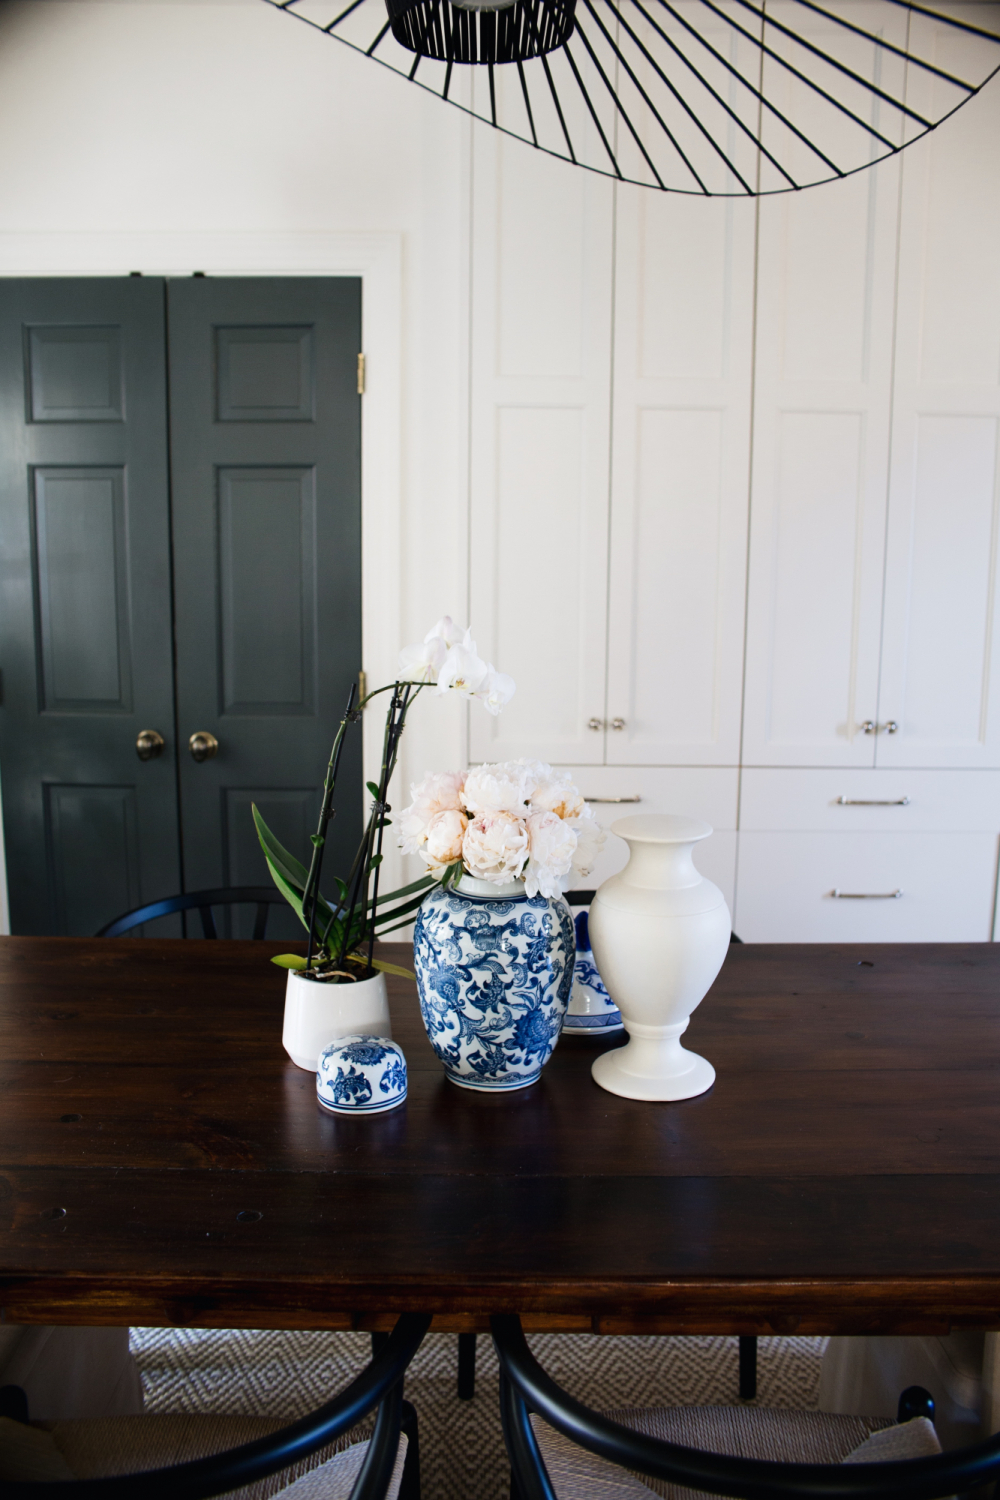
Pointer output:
423, 663
463, 671
497, 690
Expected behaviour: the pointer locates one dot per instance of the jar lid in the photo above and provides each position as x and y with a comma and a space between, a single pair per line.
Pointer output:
361, 1074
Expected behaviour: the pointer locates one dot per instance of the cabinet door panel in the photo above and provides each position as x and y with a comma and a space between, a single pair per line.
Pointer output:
683, 328
540, 433
825, 302
785, 884
941, 649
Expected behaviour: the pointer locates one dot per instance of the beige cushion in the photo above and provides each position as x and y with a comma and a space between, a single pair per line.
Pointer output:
71, 1372
28, 1453
739, 1431
124, 1445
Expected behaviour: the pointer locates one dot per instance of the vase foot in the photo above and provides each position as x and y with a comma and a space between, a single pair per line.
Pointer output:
493, 1088
622, 1072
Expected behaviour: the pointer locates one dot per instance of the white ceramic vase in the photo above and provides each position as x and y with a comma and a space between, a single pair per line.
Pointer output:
659, 932
318, 1012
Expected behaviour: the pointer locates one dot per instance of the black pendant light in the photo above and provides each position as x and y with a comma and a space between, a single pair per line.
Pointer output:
709, 97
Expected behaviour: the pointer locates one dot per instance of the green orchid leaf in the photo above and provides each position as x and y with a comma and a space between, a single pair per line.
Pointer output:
372, 788
294, 872
289, 961
384, 968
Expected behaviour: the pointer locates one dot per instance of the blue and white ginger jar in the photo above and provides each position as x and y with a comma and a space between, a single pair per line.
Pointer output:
591, 1008
361, 1075
494, 970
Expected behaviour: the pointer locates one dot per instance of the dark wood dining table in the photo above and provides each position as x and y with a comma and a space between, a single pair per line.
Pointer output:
163, 1162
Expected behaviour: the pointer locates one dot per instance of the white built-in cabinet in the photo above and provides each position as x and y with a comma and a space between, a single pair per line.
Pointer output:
734, 518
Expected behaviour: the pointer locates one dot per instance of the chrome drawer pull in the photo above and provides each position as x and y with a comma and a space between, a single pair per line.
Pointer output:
865, 895
860, 802
636, 798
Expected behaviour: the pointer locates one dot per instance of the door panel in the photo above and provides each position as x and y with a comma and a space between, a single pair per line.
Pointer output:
680, 475
540, 435
823, 385
86, 630
941, 636
265, 464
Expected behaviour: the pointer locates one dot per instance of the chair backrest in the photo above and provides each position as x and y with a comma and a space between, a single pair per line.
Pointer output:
379, 1384
262, 896
525, 1387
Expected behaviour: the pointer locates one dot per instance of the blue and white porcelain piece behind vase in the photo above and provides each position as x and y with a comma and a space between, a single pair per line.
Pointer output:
361, 1074
494, 970
591, 1008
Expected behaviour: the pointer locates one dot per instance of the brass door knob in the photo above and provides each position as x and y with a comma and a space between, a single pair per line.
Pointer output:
203, 746
149, 744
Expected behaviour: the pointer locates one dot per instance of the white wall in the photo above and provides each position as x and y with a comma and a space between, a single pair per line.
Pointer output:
169, 118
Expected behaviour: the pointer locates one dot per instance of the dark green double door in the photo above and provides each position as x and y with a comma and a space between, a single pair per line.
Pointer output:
180, 551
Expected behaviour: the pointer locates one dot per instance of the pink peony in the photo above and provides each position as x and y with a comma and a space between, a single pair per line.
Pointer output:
443, 844
440, 791
495, 847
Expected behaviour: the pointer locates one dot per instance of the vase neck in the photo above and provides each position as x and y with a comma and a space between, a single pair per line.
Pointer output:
659, 867
470, 886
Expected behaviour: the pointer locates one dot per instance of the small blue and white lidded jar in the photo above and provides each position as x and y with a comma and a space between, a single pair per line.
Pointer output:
591, 1008
494, 969
361, 1075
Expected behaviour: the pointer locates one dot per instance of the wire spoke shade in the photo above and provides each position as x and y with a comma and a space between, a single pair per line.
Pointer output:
709, 97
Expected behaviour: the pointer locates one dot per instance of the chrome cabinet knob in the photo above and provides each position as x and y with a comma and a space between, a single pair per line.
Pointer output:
890, 726
203, 746
617, 723
867, 726
595, 723
149, 744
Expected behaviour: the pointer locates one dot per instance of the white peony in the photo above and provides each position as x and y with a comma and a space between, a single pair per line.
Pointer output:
504, 787
497, 691
552, 846
590, 837
440, 791
554, 792
443, 844
495, 847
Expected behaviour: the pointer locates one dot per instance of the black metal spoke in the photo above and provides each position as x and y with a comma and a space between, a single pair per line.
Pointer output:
619, 105
705, 84
686, 83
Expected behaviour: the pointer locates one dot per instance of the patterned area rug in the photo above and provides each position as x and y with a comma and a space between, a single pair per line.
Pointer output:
462, 1457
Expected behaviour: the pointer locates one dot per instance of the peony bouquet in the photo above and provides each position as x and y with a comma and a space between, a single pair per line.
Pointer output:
516, 820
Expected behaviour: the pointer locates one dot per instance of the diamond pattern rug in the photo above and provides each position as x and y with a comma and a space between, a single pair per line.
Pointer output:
265, 1373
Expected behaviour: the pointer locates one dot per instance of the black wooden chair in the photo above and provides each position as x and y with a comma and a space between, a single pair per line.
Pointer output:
380, 1385
878, 1473
261, 896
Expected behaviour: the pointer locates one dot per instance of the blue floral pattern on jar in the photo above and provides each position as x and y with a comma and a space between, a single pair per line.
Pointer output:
591, 1008
494, 976
361, 1074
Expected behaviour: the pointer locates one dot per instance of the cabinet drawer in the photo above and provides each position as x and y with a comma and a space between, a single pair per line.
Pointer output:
876, 801
786, 883
694, 792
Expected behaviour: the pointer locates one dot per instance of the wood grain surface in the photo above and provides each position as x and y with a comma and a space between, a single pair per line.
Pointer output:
162, 1161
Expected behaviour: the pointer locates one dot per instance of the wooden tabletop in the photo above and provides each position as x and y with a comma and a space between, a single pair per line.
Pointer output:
163, 1162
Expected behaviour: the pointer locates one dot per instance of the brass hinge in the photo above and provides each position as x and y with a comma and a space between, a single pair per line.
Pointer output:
362, 686
361, 374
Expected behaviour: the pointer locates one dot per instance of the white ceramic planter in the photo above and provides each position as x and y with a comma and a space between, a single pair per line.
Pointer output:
659, 932
317, 1013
